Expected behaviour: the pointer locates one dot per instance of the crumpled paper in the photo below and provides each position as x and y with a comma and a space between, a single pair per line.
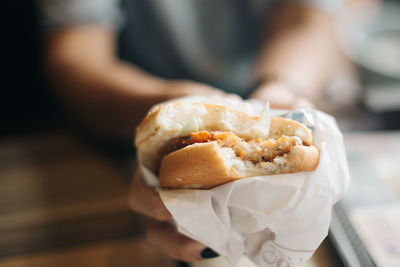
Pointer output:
276, 220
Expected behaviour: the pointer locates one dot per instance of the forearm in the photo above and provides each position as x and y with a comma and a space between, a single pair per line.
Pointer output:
109, 100
299, 50
104, 93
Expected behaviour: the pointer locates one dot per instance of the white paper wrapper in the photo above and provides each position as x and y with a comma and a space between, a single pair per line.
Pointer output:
277, 220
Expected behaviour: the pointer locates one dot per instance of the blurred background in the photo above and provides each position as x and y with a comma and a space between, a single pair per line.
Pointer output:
63, 191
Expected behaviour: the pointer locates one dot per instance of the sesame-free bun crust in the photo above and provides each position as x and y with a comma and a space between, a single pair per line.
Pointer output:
206, 165
197, 166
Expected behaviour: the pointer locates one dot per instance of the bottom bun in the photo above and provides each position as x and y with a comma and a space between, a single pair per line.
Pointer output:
206, 165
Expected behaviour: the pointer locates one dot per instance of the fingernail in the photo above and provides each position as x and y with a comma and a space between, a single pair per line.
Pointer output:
208, 253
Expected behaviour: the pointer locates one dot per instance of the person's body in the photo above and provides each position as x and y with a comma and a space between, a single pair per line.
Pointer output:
109, 77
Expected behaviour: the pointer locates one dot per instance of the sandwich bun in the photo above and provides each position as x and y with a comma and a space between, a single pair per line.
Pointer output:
197, 145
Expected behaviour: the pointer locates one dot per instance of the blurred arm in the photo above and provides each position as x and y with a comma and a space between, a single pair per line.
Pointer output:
298, 53
106, 94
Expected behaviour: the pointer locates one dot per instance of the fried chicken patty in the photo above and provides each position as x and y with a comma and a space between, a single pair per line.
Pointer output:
257, 150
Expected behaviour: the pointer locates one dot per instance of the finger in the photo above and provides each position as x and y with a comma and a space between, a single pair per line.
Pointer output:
234, 97
164, 236
281, 100
303, 103
146, 200
208, 91
276, 94
281, 97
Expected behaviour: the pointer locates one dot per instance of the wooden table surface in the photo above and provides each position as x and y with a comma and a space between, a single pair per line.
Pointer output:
63, 203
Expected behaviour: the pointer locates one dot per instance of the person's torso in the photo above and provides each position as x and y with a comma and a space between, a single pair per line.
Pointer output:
204, 40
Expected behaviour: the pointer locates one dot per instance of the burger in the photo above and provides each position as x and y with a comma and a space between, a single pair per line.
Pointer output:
201, 145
